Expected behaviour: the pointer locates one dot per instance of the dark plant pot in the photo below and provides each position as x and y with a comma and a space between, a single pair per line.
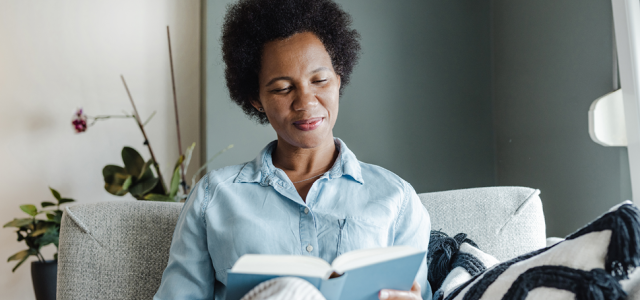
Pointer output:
44, 276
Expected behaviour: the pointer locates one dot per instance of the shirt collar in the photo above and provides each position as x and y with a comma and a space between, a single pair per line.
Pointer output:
261, 169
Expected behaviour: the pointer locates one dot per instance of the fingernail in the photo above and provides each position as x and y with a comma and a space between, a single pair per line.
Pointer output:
384, 295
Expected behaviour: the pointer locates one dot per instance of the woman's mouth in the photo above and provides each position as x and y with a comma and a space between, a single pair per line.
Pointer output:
308, 124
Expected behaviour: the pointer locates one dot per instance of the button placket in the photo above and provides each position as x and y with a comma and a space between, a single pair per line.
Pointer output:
308, 234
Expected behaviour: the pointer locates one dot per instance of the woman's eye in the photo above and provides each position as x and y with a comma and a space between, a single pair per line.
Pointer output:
282, 90
320, 81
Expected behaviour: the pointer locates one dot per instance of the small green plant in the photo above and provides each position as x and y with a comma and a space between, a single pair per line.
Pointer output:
37, 233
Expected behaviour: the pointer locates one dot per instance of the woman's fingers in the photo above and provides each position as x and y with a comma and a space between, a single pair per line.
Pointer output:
413, 294
416, 287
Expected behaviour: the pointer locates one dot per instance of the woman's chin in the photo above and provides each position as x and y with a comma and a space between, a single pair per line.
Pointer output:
309, 139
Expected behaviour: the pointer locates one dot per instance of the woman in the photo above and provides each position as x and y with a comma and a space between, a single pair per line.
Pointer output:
306, 193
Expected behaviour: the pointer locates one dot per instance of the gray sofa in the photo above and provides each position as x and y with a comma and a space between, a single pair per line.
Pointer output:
119, 249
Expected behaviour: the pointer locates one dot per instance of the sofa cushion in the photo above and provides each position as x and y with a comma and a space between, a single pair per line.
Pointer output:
504, 221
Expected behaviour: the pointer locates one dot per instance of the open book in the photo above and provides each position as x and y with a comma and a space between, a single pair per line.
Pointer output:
359, 274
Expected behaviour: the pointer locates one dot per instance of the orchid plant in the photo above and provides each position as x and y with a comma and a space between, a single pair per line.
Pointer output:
137, 177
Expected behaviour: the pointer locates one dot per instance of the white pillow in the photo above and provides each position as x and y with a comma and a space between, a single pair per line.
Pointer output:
588, 264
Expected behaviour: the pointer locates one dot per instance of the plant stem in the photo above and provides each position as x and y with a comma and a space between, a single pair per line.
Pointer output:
98, 118
175, 105
39, 256
144, 134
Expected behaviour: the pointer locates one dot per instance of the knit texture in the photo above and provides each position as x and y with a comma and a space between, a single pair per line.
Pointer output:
284, 288
587, 265
505, 222
114, 250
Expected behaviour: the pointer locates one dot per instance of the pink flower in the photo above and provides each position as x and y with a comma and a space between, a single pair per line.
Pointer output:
79, 121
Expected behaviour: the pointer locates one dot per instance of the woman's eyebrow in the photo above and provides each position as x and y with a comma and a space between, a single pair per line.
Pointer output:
319, 69
276, 79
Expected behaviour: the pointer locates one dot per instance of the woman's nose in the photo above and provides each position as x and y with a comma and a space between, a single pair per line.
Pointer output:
305, 99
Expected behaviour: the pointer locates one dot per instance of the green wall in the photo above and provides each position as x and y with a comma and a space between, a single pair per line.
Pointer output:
458, 94
551, 60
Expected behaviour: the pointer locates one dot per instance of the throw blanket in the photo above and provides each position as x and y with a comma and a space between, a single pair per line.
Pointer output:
284, 288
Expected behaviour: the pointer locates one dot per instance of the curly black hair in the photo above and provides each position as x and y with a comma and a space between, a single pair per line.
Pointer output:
249, 24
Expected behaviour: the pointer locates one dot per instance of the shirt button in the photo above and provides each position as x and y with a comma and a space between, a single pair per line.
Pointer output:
309, 248
306, 210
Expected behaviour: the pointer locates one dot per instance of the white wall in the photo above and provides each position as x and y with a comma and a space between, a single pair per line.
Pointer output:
57, 56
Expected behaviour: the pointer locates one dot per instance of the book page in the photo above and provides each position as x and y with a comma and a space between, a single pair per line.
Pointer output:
294, 265
365, 257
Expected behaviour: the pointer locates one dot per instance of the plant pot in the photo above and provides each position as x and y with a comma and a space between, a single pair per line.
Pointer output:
44, 276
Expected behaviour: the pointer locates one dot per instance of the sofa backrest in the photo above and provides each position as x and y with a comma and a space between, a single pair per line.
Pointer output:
114, 250
504, 221
119, 249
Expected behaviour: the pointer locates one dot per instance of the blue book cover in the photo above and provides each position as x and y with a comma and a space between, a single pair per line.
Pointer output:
361, 280
398, 274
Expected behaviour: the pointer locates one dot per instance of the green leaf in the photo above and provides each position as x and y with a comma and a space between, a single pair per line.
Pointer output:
20, 255
127, 183
58, 217
51, 236
115, 189
19, 223
175, 182
30, 209
66, 200
20, 263
179, 162
39, 232
133, 161
55, 193
146, 172
158, 197
187, 156
142, 188
114, 178
51, 216
110, 171
46, 203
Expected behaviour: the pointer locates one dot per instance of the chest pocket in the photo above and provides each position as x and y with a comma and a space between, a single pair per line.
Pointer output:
356, 233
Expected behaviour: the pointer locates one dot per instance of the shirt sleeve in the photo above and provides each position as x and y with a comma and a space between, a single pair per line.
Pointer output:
189, 273
413, 228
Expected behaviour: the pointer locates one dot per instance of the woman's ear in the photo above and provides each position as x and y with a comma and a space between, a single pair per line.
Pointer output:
257, 105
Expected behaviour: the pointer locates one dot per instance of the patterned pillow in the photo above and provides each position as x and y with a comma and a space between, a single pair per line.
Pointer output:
588, 264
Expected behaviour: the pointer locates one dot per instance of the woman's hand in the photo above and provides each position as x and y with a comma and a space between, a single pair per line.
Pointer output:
413, 294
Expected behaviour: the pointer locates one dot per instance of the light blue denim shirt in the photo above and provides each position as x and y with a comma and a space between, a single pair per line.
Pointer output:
254, 208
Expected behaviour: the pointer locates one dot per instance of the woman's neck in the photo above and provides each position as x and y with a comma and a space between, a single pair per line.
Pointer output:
298, 162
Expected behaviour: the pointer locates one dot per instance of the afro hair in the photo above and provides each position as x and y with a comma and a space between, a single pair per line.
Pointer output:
249, 24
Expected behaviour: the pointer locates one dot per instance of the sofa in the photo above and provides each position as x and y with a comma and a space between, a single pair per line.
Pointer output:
119, 249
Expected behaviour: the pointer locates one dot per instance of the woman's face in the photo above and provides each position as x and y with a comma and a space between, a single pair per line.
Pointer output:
299, 90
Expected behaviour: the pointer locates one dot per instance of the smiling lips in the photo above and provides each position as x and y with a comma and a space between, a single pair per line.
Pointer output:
308, 124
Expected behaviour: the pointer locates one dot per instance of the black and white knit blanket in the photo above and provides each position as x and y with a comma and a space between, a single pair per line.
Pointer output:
594, 263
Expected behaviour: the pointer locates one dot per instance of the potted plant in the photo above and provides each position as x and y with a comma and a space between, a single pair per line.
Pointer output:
37, 233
